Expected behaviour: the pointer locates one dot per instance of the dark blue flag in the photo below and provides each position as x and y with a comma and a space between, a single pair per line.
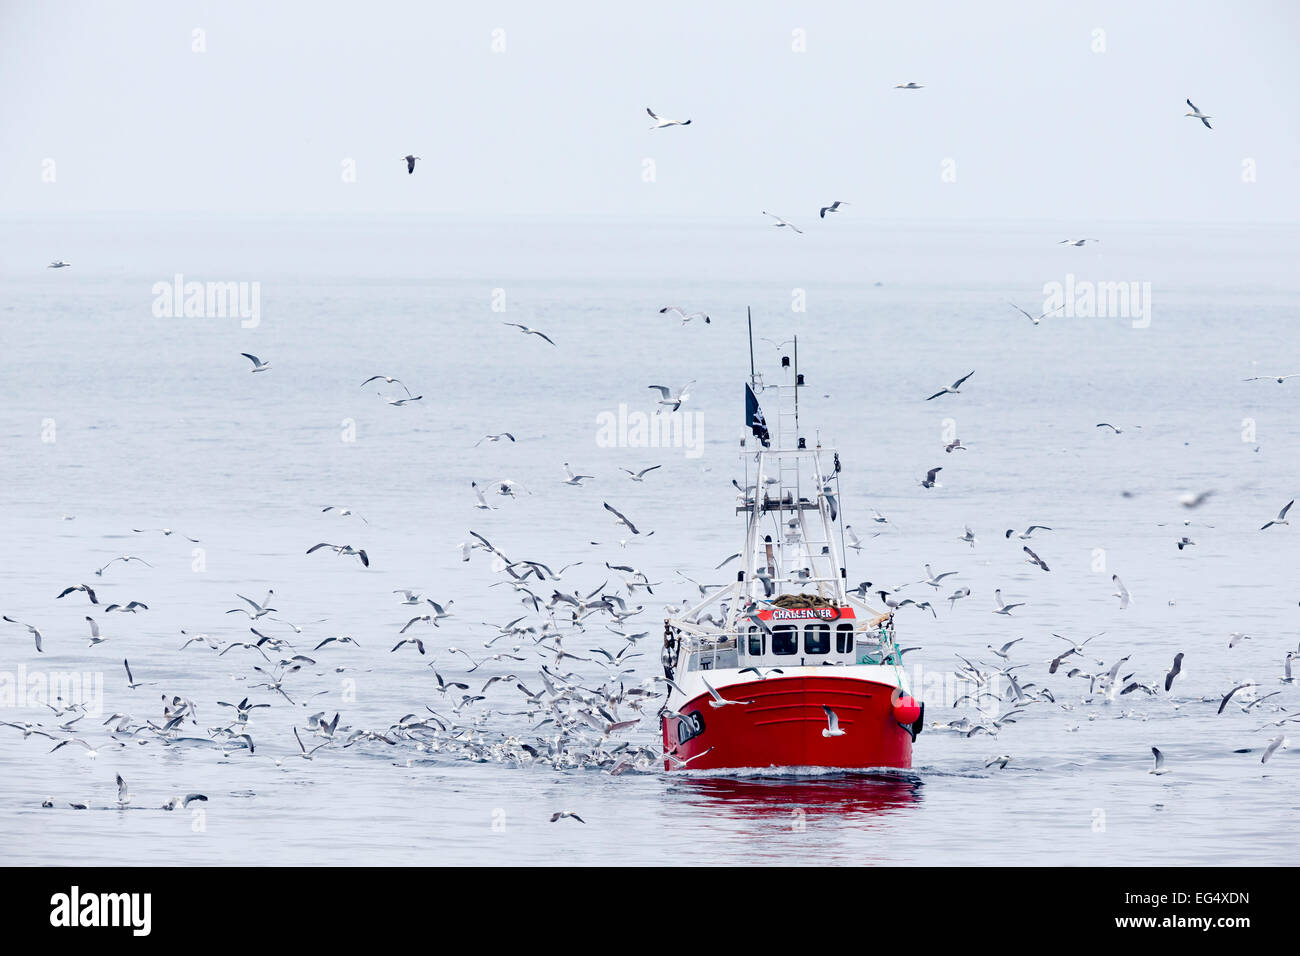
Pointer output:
754, 417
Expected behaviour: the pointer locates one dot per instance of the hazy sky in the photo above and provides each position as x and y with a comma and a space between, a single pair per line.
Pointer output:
1036, 124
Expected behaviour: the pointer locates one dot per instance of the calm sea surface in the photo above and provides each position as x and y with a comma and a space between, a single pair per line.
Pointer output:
116, 418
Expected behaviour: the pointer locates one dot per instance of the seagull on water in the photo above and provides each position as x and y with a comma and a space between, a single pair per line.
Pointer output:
781, 223
1197, 114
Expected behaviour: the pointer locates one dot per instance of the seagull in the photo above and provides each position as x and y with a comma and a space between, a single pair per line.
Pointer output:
1281, 516
528, 331
952, 389
494, 438
343, 512
968, 536
399, 402
928, 481
123, 797
1030, 317
58, 264
1197, 114
956, 596
131, 607
1275, 378
685, 316
258, 364
1235, 638
782, 223
166, 533
183, 802
569, 814
482, 504
662, 122
94, 633
131, 682
1117, 431
954, 445
1000, 761
1228, 696
387, 379
1174, 671
344, 549
1028, 532
1076, 242
671, 401
1159, 768
124, 559
1035, 559
910, 85
640, 475
933, 579
1273, 745
620, 517
718, 699
79, 587
30, 630
1190, 501
832, 728
1121, 592
410, 163
854, 541
1002, 651
1185, 542
1003, 607
833, 207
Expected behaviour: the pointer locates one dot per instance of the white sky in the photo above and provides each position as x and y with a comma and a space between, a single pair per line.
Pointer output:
1039, 126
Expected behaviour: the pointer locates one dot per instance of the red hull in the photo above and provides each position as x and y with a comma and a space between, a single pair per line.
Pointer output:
783, 724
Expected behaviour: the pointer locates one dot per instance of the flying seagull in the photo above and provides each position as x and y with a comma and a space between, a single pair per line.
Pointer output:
953, 389
662, 121
1197, 114
574, 479
58, 264
569, 814
410, 163
30, 630
620, 517
832, 728
684, 315
929, 480
258, 364
718, 700
1281, 516
640, 475
833, 207
1076, 242
910, 85
1159, 768
494, 438
1121, 592
782, 223
1174, 671
1035, 559
527, 331
1003, 607
1032, 318
1274, 378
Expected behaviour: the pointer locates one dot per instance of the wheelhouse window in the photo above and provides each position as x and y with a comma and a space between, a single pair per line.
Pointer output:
844, 638
817, 639
785, 639
756, 641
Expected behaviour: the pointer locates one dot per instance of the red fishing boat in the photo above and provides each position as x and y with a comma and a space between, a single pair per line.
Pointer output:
786, 667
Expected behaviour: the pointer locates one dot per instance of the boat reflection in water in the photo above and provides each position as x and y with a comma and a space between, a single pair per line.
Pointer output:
851, 797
